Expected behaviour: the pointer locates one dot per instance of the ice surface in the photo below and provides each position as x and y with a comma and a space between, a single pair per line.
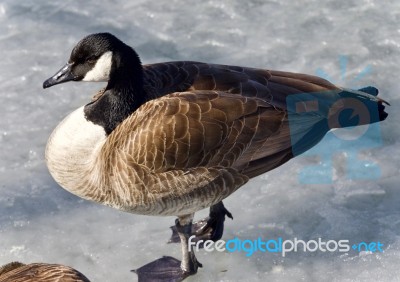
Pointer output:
39, 221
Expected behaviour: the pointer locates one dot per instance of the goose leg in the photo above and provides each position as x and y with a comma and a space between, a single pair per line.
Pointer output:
189, 262
209, 228
169, 268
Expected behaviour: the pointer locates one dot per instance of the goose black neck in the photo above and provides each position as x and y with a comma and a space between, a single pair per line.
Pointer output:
123, 94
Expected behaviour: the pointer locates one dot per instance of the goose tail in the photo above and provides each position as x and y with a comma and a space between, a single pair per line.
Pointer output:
312, 115
360, 107
341, 107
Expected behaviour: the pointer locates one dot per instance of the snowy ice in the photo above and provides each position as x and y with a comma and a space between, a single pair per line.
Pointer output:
40, 222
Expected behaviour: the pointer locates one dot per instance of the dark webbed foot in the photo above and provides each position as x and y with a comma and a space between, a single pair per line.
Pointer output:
168, 268
163, 269
210, 228
213, 229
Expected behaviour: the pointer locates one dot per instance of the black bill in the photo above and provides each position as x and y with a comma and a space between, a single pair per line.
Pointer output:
63, 75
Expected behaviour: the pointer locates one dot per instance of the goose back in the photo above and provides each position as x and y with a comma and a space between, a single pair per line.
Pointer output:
271, 86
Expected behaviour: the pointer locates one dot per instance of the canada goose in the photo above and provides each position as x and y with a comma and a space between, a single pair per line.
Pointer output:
43, 272
174, 138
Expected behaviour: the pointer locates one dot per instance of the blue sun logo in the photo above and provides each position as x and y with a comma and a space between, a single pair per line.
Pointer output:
344, 152
355, 82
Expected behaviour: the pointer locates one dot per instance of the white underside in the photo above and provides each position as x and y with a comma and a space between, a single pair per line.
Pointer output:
72, 149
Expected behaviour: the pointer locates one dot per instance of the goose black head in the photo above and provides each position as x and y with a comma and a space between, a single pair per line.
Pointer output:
96, 58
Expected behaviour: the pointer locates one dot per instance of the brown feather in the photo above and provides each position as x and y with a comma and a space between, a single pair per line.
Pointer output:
18, 272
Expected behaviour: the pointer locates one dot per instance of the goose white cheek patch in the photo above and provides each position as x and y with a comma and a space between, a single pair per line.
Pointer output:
101, 70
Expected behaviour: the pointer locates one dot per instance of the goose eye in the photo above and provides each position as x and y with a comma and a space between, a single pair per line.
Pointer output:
91, 59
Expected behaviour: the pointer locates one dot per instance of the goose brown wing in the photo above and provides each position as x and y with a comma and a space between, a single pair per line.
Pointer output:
174, 155
192, 129
272, 87
187, 151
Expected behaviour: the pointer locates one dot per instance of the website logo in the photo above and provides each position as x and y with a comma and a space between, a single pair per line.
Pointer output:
313, 115
249, 247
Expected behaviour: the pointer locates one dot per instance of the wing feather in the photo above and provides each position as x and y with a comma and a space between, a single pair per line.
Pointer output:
42, 272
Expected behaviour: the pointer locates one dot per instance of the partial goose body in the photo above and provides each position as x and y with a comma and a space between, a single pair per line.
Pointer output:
43, 272
174, 138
